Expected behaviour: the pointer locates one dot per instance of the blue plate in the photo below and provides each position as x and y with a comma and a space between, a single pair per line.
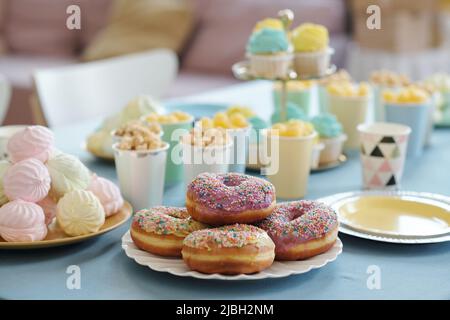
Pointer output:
198, 110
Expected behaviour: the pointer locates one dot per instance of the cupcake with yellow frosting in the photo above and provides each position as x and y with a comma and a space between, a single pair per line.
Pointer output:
269, 51
311, 48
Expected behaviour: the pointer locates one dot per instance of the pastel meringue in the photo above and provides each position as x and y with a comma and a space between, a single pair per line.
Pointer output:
49, 207
22, 221
108, 194
32, 142
67, 174
4, 165
80, 212
27, 180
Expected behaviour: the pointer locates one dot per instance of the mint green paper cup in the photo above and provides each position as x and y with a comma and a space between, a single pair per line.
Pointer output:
174, 170
301, 98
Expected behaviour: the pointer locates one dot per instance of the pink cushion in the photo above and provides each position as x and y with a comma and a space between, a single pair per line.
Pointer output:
39, 27
224, 27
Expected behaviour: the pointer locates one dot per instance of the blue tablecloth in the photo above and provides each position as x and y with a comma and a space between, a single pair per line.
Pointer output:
407, 271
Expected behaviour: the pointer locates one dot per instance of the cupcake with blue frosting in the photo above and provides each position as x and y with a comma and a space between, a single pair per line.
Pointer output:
331, 135
269, 52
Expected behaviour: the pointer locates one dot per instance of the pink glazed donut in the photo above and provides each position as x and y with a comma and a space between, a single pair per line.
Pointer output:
218, 199
301, 229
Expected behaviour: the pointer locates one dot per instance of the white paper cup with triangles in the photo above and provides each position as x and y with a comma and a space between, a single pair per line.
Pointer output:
383, 151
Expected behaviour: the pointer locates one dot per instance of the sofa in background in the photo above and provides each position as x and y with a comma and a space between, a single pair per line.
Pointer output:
33, 35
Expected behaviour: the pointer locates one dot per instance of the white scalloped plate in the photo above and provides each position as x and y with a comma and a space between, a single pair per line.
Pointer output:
177, 267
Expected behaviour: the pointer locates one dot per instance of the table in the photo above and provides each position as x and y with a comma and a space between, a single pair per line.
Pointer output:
407, 271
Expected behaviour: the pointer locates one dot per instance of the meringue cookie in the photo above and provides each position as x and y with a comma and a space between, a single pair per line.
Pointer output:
108, 194
32, 142
22, 221
49, 207
4, 165
80, 212
67, 174
27, 180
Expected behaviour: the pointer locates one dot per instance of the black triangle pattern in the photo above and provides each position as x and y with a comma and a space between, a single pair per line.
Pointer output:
387, 140
391, 181
376, 152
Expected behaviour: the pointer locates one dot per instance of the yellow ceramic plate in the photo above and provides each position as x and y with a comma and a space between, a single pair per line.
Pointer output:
403, 215
56, 237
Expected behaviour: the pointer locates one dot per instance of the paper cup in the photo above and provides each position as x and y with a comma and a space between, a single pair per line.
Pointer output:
312, 64
196, 160
238, 158
290, 164
379, 113
323, 98
332, 149
7, 132
301, 98
141, 175
350, 112
383, 151
315, 155
430, 120
272, 66
174, 170
414, 116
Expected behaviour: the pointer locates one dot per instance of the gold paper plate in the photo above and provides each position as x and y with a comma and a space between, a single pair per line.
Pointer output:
394, 215
56, 237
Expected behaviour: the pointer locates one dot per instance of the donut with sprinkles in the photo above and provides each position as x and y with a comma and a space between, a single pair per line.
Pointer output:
231, 249
161, 230
301, 229
228, 198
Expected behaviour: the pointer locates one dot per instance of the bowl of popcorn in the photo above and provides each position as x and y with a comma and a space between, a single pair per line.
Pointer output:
409, 106
349, 102
128, 129
140, 158
205, 150
238, 127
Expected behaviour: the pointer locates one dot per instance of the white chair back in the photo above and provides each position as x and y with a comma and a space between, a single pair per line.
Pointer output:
5, 97
101, 88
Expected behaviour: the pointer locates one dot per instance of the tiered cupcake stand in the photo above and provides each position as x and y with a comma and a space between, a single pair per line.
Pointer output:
242, 71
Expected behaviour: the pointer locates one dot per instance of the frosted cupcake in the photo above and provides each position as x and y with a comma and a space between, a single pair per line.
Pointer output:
269, 53
331, 136
311, 48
